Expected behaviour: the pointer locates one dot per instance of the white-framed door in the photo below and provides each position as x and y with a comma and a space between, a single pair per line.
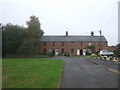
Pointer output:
78, 51
84, 51
56, 51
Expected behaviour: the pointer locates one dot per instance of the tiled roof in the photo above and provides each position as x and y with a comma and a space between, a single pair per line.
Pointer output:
73, 38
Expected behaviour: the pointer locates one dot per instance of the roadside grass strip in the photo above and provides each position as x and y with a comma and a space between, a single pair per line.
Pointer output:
115, 71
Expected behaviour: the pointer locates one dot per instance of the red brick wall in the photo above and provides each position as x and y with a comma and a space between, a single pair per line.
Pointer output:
111, 48
67, 46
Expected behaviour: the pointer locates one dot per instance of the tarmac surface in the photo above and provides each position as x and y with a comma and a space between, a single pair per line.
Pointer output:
82, 73
109, 64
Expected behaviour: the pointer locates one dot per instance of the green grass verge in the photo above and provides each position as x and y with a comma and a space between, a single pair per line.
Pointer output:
40, 56
31, 73
92, 57
89, 56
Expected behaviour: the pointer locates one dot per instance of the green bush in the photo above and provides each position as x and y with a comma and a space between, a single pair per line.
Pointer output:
50, 54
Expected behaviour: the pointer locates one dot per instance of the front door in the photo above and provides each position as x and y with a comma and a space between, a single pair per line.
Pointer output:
78, 51
81, 52
56, 51
84, 51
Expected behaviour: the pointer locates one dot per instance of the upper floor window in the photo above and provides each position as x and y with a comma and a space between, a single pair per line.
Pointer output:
89, 44
62, 50
44, 43
53, 43
81, 43
72, 43
72, 50
62, 43
99, 44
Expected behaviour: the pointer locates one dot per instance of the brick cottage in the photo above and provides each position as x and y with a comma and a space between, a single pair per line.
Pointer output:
72, 44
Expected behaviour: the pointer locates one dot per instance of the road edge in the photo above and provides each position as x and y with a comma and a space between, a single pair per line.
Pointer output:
61, 74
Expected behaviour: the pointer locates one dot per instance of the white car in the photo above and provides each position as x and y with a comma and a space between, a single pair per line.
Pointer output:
105, 53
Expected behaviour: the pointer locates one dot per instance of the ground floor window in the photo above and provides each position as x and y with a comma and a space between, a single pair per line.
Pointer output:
62, 50
44, 51
50, 50
72, 50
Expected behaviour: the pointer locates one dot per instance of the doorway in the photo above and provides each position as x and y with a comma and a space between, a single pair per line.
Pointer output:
81, 52
78, 51
56, 51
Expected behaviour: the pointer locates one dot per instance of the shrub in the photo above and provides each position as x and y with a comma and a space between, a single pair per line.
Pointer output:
50, 54
93, 55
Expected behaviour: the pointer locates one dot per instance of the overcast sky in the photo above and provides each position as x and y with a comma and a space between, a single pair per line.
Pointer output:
78, 17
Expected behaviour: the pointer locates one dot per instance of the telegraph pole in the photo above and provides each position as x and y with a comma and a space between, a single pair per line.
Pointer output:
118, 29
67, 42
100, 40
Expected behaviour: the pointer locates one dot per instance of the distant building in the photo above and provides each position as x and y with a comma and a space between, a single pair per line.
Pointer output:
72, 44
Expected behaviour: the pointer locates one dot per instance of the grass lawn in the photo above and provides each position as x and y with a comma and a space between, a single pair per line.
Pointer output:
41, 56
89, 56
31, 73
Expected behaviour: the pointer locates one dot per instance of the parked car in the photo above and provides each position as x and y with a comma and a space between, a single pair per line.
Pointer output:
105, 53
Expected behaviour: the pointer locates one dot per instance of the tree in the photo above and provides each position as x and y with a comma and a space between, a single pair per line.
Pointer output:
92, 48
19, 40
34, 33
12, 37
117, 50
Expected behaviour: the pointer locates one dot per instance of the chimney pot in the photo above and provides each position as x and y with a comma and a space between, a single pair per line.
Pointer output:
66, 33
92, 33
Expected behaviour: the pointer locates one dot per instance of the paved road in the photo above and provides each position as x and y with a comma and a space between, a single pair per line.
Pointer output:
79, 73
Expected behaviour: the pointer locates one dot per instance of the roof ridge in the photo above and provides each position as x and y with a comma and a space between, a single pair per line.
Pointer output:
72, 38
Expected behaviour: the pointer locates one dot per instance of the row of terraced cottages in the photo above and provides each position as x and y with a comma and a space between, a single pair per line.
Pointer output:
72, 45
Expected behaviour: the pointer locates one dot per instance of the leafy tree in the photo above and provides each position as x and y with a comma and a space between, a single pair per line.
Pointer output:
20, 40
12, 37
91, 47
117, 50
34, 33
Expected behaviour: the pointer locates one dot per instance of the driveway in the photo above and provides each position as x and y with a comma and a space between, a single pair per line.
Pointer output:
79, 73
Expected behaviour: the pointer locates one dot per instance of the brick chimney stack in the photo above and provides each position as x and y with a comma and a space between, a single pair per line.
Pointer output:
66, 33
92, 33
